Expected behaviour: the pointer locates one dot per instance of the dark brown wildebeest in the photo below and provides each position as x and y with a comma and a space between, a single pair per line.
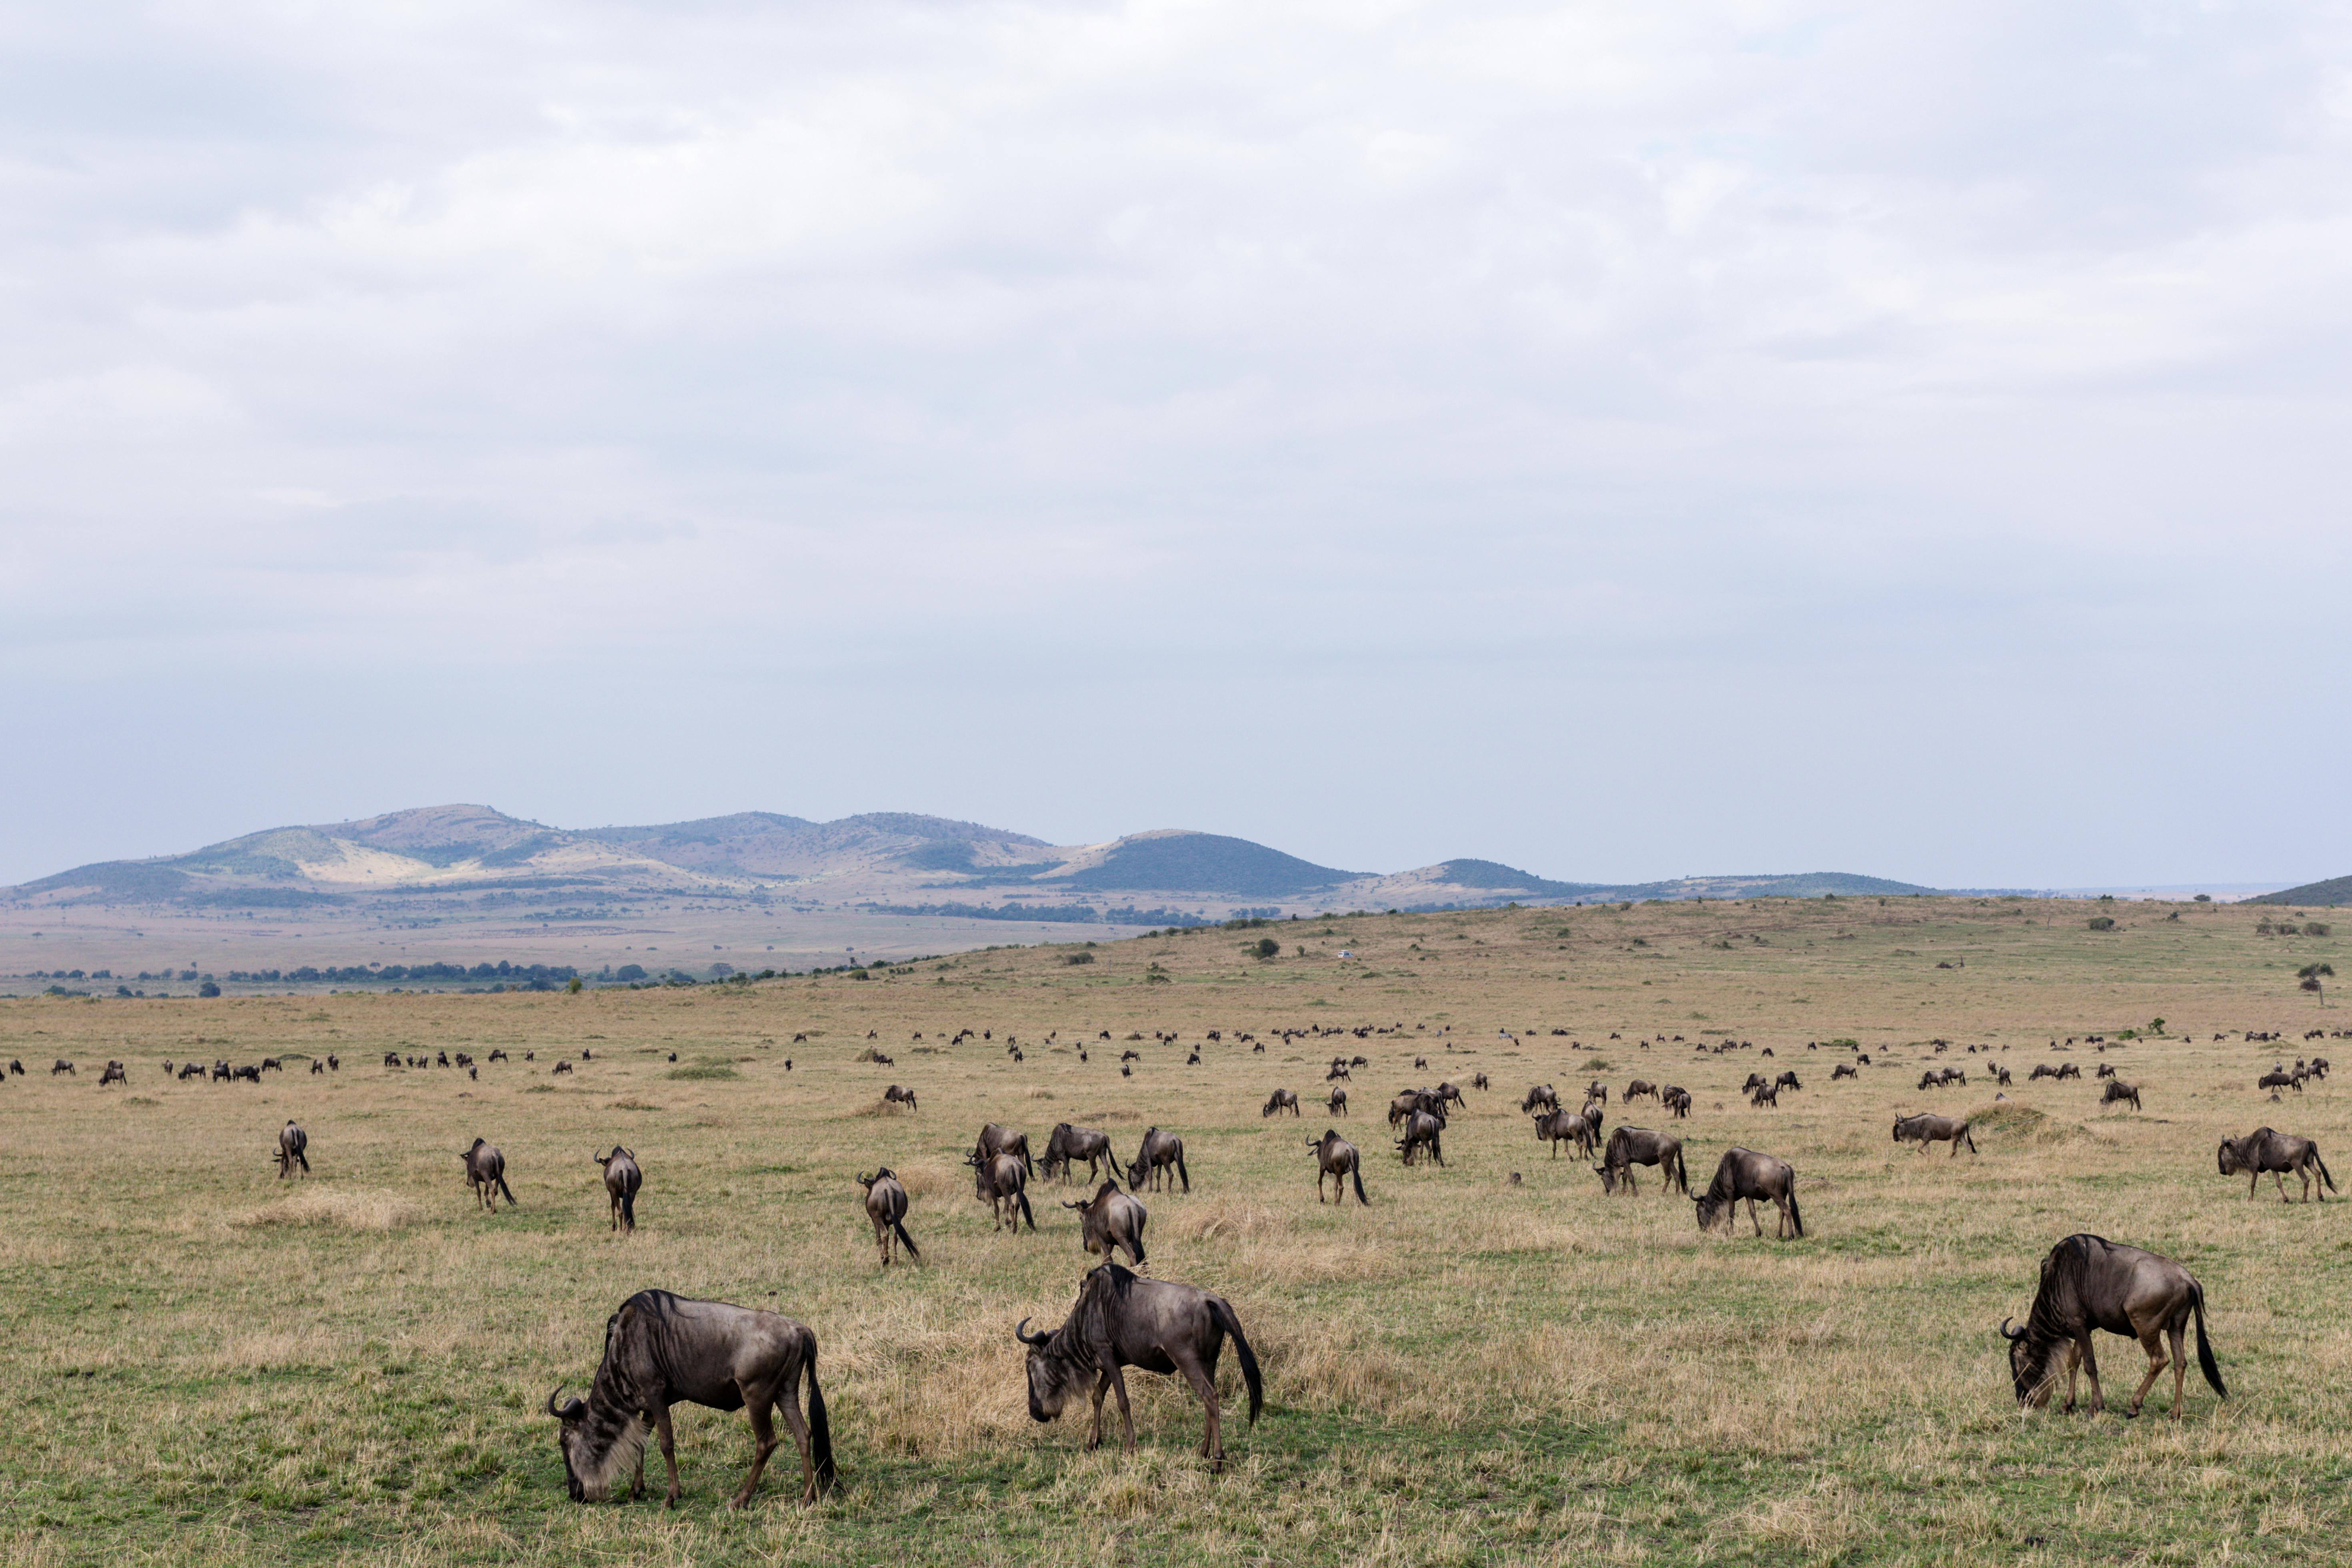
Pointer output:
563, 1067
2001, 1076
496, 1055
1478, 1081
2119, 1090
60, 1065
1929, 1079
1540, 1095
1423, 1131
1676, 1100
622, 1180
1420, 1064
292, 1144
192, 1069
996, 1139
1925, 1130
16, 1066
271, 1064
2275, 1079
894, 1095
1766, 1094
1596, 1091
999, 1182
392, 1058
1112, 1219
886, 1206
2277, 1153
1067, 1145
317, 1067
1337, 1158
2067, 1070
1638, 1087
1338, 1104
1449, 1094
1745, 1173
2089, 1282
486, 1172
1631, 1146
662, 1350
1755, 1082
1121, 1319
1788, 1079
113, 1074
1160, 1152
2104, 1069
1281, 1099
1338, 1070
2042, 1069
1844, 1069
249, 1073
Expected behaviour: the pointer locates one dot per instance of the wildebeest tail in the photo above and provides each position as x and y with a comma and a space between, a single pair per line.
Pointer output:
1357, 1172
305, 1158
1679, 1176
905, 1240
1182, 1175
1232, 1325
1795, 1220
2204, 1347
2322, 1168
507, 1189
628, 1207
1023, 1199
820, 1429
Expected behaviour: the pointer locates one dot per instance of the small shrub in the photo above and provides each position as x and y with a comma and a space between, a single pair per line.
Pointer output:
2103, 922
2314, 928
1266, 947
702, 1071
1078, 958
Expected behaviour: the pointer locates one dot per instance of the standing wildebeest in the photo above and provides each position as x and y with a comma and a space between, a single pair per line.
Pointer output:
1338, 1104
1788, 1079
1478, 1081
1844, 1069
58, 1065
999, 1181
113, 1074
292, 1143
995, 1140
1447, 1093
1636, 1090
1337, 1158
2042, 1069
2067, 1070
622, 1180
1160, 1150
886, 1205
2119, 1090
2276, 1078
1745, 1173
1676, 1100
1597, 1090
1925, 1130
1542, 1094
1423, 1131
2277, 1153
1281, 1099
1120, 1319
894, 1095
2089, 1282
1067, 1145
1765, 1094
1112, 1219
1631, 1146
662, 1350
486, 1172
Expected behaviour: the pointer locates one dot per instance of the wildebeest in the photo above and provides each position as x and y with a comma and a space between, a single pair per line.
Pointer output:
894, 1095
317, 1067
2108, 1069
1478, 1081
292, 1144
886, 1206
2119, 1090
2042, 1069
563, 1066
1121, 1319
1745, 1173
1636, 1088
1631, 1146
1765, 1094
392, 1058
662, 1350
486, 1172
1000, 1181
1069, 1144
2275, 1078
113, 1074
1597, 1090
271, 1064
1541, 1094
1924, 1130
2001, 1076
1112, 1219
622, 1180
1337, 1158
1161, 1151
1448, 1093
1844, 1069
192, 1069
2277, 1153
58, 1065
1676, 1100
1338, 1104
996, 1139
250, 1074
2067, 1070
2089, 1282
1788, 1079
1423, 1131
1281, 1099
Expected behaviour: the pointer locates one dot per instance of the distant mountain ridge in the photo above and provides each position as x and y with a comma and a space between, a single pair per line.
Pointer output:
2335, 893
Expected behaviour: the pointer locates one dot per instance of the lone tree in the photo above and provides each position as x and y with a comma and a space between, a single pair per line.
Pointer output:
2311, 974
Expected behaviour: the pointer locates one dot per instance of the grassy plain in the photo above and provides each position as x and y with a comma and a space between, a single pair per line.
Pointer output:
208, 1366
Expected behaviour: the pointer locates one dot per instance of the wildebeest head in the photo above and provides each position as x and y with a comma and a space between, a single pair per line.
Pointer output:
2027, 1368
598, 1445
1056, 1371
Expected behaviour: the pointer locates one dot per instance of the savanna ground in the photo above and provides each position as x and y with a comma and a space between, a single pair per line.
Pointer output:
205, 1365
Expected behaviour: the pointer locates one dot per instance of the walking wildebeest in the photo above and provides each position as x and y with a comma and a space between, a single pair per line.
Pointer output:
1120, 1319
1540, 1094
1844, 1069
1069, 1144
996, 1139
1447, 1093
1676, 1099
1745, 1173
886, 1206
1636, 1088
292, 1142
486, 1172
2119, 1090
2275, 1079
1423, 1131
1160, 1153
1924, 1130
1281, 1099
113, 1074
1338, 1104
2277, 1153
622, 1180
1631, 1146
1766, 1094
1337, 1158
1112, 1219
894, 1095
999, 1182
2089, 1282
662, 1350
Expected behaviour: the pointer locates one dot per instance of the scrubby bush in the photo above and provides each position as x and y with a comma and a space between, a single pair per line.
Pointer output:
2103, 922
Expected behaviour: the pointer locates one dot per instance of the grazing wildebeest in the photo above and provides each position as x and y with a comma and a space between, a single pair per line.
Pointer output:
1338, 1070
1597, 1090
2104, 1069
1929, 1079
1069, 1144
1540, 1094
2068, 1070
2042, 1069
1337, 1158
2119, 1090
662, 1350
563, 1066
1677, 1101
392, 1058
1788, 1081
1281, 1099
1925, 1130
2001, 1076
2277, 1153
622, 1180
249, 1073
999, 1182
1112, 1219
886, 1206
60, 1065
271, 1064
1338, 1104
1161, 1151
1120, 1319
486, 1172
317, 1067
2089, 1282
1755, 1082
1745, 1173
113, 1074
498, 1055
1844, 1069
1420, 1064
996, 1139
1631, 1146
192, 1069
1447, 1093
292, 1144
894, 1095
1423, 1131
1766, 1094
16, 1066
1478, 1081
1638, 1087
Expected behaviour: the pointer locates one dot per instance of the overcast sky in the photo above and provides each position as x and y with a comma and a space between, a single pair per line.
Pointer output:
1622, 441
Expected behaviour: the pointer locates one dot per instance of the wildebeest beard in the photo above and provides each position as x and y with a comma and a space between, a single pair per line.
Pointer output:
605, 1438
1060, 1365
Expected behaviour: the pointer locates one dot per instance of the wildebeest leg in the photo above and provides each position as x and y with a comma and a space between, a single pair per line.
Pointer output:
757, 1401
1753, 1220
1126, 1415
1102, 1387
637, 1481
2152, 1341
670, 1452
2089, 1360
1631, 1185
1212, 1437
2280, 1177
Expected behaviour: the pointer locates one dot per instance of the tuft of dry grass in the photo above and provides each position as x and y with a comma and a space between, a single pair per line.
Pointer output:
342, 1208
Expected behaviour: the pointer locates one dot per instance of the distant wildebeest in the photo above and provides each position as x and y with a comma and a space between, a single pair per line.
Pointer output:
1929, 1079
114, 1073
2001, 1076
249, 1073
318, 1066
1338, 1071
886, 1206
1478, 1081
271, 1064
190, 1069
1756, 1081
1788, 1079
1925, 1130
1636, 1088
2104, 1069
2119, 1090
1676, 1100
2277, 1153
486, 1172
894, 1095
1844, 1069
2042, 1069
2275, 1078
1423, 1131
1765, 1094
662, 1350
17, 1066
292, 1146
1337, 1158
1069, 1144
1281, 1099
1338, 1104
1112, 1219
1597, 1091
1002, 1182
1448, 1093
1541, 1094
441, 1058
1631, 1146
1121, 1319
221, 1073
60, 1065
498, 1055
996, 1139
392, 1058
1160, 1152
2089, 1282
1745, 1173
563, 1066
2068, 1070
1420, 1064
622, 1180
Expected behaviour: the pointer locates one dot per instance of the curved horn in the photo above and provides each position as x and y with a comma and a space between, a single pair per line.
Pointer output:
2008, 1334
551, 1410
1019, 1332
